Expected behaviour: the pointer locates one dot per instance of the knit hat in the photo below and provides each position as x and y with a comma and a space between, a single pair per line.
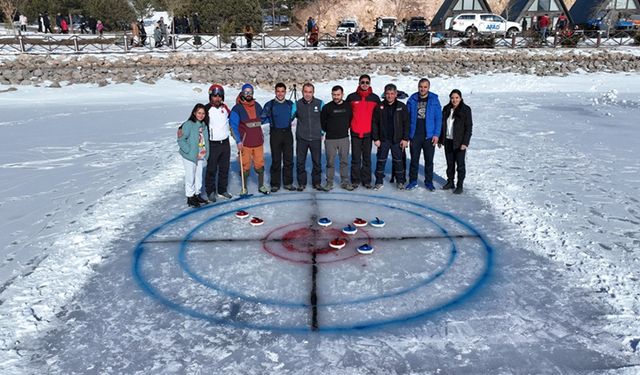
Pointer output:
216, 89
247, 86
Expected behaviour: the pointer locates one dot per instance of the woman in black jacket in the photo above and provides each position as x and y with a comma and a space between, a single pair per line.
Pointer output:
455, 135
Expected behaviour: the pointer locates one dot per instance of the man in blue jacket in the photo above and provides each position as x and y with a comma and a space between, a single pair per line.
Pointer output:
425, 114
278, 113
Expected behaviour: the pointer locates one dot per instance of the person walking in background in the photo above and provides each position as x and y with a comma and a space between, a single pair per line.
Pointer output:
247, 131
100, 27
47, 23
309, 137
278, 113
135, 34
143, 33
23, 23
196, 23
248, 35
425, 114
314, 36
64, 26
217, 175
194, 150
390, 132
93, 24
456, 132
310, 23
543, 24
157, 36
83, 25
363, 102
163, 31
336, 120
58, 22
563, 24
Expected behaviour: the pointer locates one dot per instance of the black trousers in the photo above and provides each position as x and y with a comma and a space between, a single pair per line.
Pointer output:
218, 167
404, 167
302, 146
361, 160
396, 159
281, 142
417, 147
455, 157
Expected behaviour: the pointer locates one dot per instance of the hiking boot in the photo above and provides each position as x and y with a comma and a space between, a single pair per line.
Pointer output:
355, 186
328, 187
378, 187
400, 186
225, 195
192, 202
347, 186
411, 185
200, 200
212, 197
458, 190
318, 187
301, 187
392, 179
429, 186
290, 187
274, 189
368, 186
263, 189
448, 185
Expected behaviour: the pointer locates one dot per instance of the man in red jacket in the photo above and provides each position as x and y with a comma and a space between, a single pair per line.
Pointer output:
363, 103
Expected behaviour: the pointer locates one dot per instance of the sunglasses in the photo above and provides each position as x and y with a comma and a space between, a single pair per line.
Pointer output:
218, 94
247, 92
365, 82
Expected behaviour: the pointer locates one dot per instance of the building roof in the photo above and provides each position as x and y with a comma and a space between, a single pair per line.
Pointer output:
516, 8
448, 5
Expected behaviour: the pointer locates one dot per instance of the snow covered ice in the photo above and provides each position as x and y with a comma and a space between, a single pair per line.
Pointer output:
534, 269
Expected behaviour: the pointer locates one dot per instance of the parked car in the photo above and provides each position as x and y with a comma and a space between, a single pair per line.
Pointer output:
417, 25
484, 23
347, 25
385, 25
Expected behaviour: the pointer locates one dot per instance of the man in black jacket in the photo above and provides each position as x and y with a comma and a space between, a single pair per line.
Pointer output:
390, 132
309, 137
336, 120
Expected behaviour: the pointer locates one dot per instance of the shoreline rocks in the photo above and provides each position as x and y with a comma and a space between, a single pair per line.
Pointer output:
266, 69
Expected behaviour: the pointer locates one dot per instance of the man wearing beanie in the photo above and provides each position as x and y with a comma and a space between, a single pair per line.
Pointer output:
217, 175
247, 131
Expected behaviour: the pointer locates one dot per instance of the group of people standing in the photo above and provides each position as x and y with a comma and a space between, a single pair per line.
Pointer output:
350, 127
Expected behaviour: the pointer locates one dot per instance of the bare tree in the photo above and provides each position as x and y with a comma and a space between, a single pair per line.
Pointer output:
399, 7
9, 8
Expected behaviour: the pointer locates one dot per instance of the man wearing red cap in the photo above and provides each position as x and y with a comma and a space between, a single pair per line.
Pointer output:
217, 174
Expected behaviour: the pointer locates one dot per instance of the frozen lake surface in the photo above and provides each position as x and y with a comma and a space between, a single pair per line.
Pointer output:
534, 269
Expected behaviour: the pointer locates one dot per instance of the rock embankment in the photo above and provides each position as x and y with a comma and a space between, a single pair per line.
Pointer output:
267, 68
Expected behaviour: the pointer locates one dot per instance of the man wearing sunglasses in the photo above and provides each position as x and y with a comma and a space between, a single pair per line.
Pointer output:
363, 102
247, 130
